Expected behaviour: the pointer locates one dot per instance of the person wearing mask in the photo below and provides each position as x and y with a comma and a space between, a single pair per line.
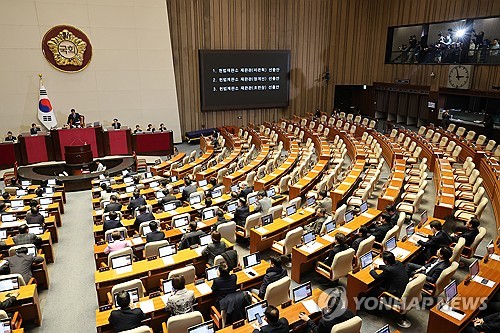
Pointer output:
433, 268
340, 245
469, 233
192, 237
125, 318
273, 273
116, 124
25, 237
114, 205
319, 220
34, 129
361, 236
430, 247
275, 324
381, 227
263, 203
112, 223
99, 166
393, 276
244, 190
117, 243
155, 234
10, 137
182, 300
74, 119
224, 284
242, 212
142, 216
189, 188
216, 248
22, 262
325, 201
34, 217
137, 200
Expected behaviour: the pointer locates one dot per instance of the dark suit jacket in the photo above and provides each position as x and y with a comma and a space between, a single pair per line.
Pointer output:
35, 219
379, 231
167, 199
491, 324
357, 241
155, 236
136, 202
113, 207
326, 323
21, 263
434, 273
190, 238
223, 286
26, 239
213, 250
272, 274
241, 214
469, 236
147, 216
186, 192
393, 277
111, 224
246, 191
433, 244
126, 319
281, 326
334, 251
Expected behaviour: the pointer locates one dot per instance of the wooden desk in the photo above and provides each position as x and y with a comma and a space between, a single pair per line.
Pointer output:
393, 186
46, 246
445, 186
208, 153
160, 168
233, 143
347, 185
27, 303
52, 209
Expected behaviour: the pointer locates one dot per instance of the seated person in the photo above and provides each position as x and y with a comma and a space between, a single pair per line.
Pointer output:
24, 237
393, 276
319, 220
116, 124
224, 284
220, 219
191, 237
138, 129
469, 233
21, 263
113, 205
182, 300
487, 324
393, 214
162, 128
381, 227
125, 318
168, 196
155, 234
188, 189
117, 244
331, 315
137, 200
360, 236
100, 167
434, 267
275, 324
34, 129
150, 128
10, 137
325, 201
273, 273
242, 212
34, 217
74, 119
6, 197
340, 245
263, 203
14, 183
216, 248
430, 247
105, 192
142, 216
244, 190
112, 223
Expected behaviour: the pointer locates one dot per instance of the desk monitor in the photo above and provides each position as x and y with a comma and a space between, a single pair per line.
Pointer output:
36, 229
51, 182
133, 293
235, 188
450, 291
271, 192
5, 326
159, 195
195, 199
349, 216
145, 230
330, 226
181, 189
21, 192
385, 329
410, 229
44, 213
122, 236
128, 180
204, 167
18, 203
169, 206
208, 214
167, 250
390, 244
251, 260
202, 183
212, 272
363, 207
301, 292
254, 309
216, 193
252, 198
167, 286
49, 190
173, 179
124, 172
206, 327
9, 218
9, 283
311, 201
102, 177
205, 240
231, 206
474, 268
45, 201
212, 163
267, 219
3, 233
308, 237
31, 250
183, 221
148, 175
290, 210
366, 259
154, 184
129, 189
423, 218
25, 183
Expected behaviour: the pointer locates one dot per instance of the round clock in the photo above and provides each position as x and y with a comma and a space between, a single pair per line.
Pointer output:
459, 77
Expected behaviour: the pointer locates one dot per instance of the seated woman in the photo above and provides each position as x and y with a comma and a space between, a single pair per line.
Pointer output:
182, 300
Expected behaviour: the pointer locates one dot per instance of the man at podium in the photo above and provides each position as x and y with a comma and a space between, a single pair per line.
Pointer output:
74, 119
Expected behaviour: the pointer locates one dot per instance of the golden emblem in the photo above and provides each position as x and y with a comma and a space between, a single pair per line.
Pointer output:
67, 48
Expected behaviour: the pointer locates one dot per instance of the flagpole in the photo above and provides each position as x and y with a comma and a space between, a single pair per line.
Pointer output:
41, 79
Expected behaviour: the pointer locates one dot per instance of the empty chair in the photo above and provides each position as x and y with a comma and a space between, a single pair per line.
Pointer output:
250, 178
251, 221
339, 214
277, 292
228, 231
470, 135
292, 238
373, 124
284, 184
451, 127
352, 325
455, 154
414, 157
429, 134
118, 253
394, 134
365, 121
357, 119
181, 323
490, 145
443, 142
470, 204
341, 266
458, 247
466, 215
189, 273
421, 130
296, 202
460, 132
276, 211
411, 207
481, 139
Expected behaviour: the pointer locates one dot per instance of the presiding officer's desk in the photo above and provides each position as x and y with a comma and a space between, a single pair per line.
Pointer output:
27, 303
204, 301
304, 258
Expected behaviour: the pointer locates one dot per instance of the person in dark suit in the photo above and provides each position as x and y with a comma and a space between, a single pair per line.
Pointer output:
125, 318
317, 223
273, 274
112, 223
113, 205
21, 263
74, 119
330, 317
6, 198
381, 227
275, 324
24, 237
168, 196
34, 129
220, 219
244, 190
469, 233
143, 216
10, 137
192, 237
116, 124
155, 234
361, 236
487, 324
242, 212
393, 214
393, 276
34, 217
217, 247
430, 247
137, 200
433, 268
188, 189
224, 284
340, 245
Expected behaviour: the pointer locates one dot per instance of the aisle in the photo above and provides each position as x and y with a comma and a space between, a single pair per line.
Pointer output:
69, 305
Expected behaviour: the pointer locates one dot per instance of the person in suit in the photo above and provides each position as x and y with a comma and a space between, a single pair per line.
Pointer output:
220, 219
393, 214
189, 188
217, 247
273, 273
241, 213
116, 124
34, 217
330, 316
487, 324
113, 205
319, 220
275, 324
430, 247
192, 237
168, 196
224, 284
117, 244
150, 128
162, 128
142, 216
21, 263
10, 137
138, 129
137, 200
244, 190
24, 237
325, 201
433, 268
74, 119
362, 234
34, 129
125, 318
263, 203
155, 234
469, 233
381, 227
393, 276
340, 245
112, 223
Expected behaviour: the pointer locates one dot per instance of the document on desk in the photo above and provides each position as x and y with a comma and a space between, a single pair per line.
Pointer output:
311, 306
495, 257
123, 270
415, 238
328, 238
400, 253
344, 230
312, 247
147, 306
378, 262
483, 281
201, 225
204, 288
137, 241
168, 260
449, 311
288, 219
197, 206
165, 298
368, 215
262, 230
99, 211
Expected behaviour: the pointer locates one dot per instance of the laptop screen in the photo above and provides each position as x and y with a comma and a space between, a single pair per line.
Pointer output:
251, 260
330, 226
254, 309
167, 250
121, 261
235, 188
133, 293
311, 200
267, 219
252, 199
173, 178
169, 206
148, 175
390, 244
205, 240
423, 217
208, 214
206, 327
366, 259
410, 229
17, 203
301, 292
195, 199
49, 190
450, 291
271, 192
146, 230
212, 272
8, 218
474, 268
167, 286
45, 201
25, 183
202, 183
308, 237
216, 193
37, 230
154, 184
290, 210
9, 283
159, 195
231, 207
364, 207
181, 222
128, 180
349, 216
21, 192
3, 234
31, 250
102, 177
51, 182
384, 329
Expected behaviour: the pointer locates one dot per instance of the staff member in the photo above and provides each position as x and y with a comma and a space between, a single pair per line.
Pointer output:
116, 124
34, 129
10, 137
74, 119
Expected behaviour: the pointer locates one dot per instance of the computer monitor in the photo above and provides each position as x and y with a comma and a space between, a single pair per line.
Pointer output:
167, 250
21, 192
31, 250
205, 240
159, 195
301, 292
251, 260
110, 236
130, 189
363, 207
45, 201
179, 223
385, 329
231, 206
51, 182
474, 268
37, 230
9, 218
44, 213
173, 179
330, 226
202, 183
390, 244
3, 233
254, 309
195, 199
271, 192
267, 219
410, 229
148, 175
349, 216
124, 172
154, 184
25, 183
167, 286
290, 210
5, 326
216, 193
252, 199
206, 327
235, 188
308, 237
366, 259
17, 203
311, 201
134, 296
208, 214
169, 206
128, 180
9, 283
423, 218
450, 291
212, 272
49, 190
145, 230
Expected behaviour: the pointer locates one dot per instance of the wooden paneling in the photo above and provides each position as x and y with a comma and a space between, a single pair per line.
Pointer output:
347, 36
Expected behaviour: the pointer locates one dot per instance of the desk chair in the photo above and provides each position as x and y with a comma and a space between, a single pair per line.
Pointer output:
197, 194
352, 325
470, 135
110, 231
450, 147
292, 238
241, 299
399, 224
460, 132
411, 195
20, 279
340, 267
151, 248
393, 134
469, 212
118, 213
189, 273
470, 204
141, 329
421, 130
277, 211
365, 121
196, 169
436, 137
277, 292
252, 220
357, 119
402, 305
468, 190
496, 154
250, 179
11, 190
414, 156
359, 196
339, 215
454, 154
489, 146
296, 202
451, 127
469, 252
443, 142
429, 134
364, 247
228, 231
135, 283
15, 322
411, 207
457, 247
181, 323
416, 171
435, 289
392, 232
117, 253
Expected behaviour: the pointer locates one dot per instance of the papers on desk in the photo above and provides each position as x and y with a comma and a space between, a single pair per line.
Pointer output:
168, 260
428, 226
199, 249
3, 262
311, 306
310, 248
123, 270
344, 230
14, 224
147, 306
262, 230
449, 311
309, 209
479, 279
201, 225
400, 253
288, 219
99, 211
495, 257
368, 215
378, 262
165, 298
204, 288
415, 238
137, 241
197, 206
328, 238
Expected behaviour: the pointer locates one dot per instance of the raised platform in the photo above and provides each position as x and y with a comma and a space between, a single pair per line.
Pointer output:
75, 181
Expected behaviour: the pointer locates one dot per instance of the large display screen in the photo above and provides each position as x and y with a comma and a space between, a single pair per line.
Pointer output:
244, 79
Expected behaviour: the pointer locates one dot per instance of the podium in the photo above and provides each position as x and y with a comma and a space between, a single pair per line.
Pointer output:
76, 156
